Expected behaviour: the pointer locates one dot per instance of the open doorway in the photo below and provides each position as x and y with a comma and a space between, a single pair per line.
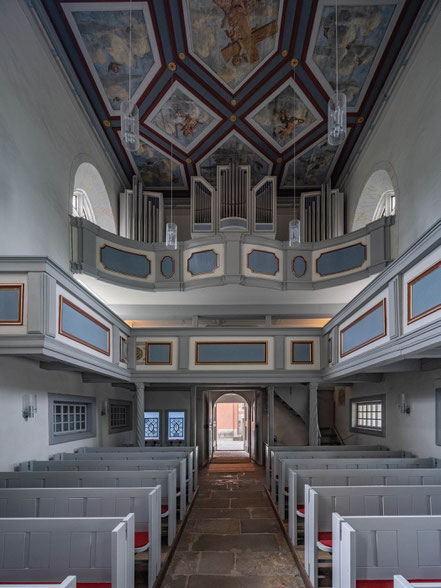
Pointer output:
231, 424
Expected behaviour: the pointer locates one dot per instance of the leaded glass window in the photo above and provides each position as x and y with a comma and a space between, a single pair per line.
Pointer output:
368, 415
152, 426
176, 426
69, 418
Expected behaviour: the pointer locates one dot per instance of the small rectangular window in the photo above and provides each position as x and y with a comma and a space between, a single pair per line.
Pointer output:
120, 416
71, 418
368, 415
152, 429
176, 426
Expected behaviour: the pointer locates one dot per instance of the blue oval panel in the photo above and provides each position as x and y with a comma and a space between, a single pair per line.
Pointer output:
167, 266
263, 262
125, 262
202, 262
299, 266
341, 260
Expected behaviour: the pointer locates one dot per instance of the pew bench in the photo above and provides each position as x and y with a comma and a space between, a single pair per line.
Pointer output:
322, 501
166, 479
144, 503
170, 449
369, 551
135, 456
98, 551
367, 461
69, 582
180, 465
400, 582
298, 479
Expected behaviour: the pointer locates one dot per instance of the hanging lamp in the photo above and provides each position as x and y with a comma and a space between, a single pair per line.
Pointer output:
337, 107
129, 110
171, 228
294, 223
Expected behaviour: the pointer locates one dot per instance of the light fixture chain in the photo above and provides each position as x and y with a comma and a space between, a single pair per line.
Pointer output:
171, 170
294, 145
336, 48
130, 54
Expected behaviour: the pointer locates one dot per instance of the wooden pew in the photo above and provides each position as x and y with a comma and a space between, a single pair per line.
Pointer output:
180, 465
105, 479
170, 449
349, 477
377, 548
400, 582
69, 582
357, 460
322, 501
270, 450
92, 549
144, 503
147, 456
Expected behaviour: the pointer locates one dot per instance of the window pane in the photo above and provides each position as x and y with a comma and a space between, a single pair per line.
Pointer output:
176, 426
151, 426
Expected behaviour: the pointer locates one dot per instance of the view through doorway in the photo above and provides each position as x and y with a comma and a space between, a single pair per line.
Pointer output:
231, 422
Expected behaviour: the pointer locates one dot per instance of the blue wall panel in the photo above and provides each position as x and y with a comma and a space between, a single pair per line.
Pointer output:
301, 352
159, 353
167, 266
125, 262
263, 262
202, 262
10, 304
299, 266
81, 327
341, 260
425, 293
365, 330
224, 353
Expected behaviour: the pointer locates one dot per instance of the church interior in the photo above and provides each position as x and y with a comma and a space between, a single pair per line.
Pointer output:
220, 293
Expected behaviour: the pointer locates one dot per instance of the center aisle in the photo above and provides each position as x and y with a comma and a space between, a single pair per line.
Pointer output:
232, 537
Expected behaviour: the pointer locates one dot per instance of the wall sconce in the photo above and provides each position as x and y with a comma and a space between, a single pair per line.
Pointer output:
403, 406
29, 406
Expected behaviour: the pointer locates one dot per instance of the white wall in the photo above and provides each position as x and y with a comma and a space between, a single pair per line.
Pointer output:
414, 432
406, 142
44, 136
289, 429
22, 440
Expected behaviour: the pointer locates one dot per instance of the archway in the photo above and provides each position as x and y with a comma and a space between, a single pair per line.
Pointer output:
231, 423
377, 199
90, 198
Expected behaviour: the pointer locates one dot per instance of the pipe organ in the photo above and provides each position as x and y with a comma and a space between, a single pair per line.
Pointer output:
321, 214
141, 214
233, 205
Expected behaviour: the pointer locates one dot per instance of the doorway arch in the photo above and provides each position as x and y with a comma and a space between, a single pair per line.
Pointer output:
377, 199
90, 195
231, 423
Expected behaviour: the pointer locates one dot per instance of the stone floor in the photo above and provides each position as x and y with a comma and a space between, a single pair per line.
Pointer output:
232, 538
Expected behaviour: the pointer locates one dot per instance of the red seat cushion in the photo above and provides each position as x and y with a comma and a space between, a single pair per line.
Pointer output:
79, 584
141, 539
301, 508
164, 508
325, 538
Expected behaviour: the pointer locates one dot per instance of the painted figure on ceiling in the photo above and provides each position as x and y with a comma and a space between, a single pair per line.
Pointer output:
188, 124
288, 125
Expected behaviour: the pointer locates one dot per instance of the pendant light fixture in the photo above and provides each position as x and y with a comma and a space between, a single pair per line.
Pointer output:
294, 223
171, 229
337, 108
129, 110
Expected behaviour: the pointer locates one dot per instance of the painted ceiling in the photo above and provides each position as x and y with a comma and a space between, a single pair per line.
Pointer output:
223, 80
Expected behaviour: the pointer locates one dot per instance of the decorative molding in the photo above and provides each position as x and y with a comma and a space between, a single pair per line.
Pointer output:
311, 352
381, 304
266, 253
293, 266
410, 317
341, 249
264, 362
173, 266
128, 253
20, 290
163, 343
329, 350
203, 273
122, 349
62, 301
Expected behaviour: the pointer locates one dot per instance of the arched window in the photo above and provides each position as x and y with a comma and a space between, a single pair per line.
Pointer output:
377, 199
81, 205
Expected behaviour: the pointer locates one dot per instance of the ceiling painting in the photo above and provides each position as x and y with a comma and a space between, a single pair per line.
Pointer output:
214, 78
156, 169
182, 118
102, 32
234, 149
363, 30
232, 38
285, 116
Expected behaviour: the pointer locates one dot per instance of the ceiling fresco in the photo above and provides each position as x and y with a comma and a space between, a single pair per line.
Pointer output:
230, 80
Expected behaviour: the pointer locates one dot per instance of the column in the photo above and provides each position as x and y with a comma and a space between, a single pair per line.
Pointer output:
314, 432
140, 432
270, 391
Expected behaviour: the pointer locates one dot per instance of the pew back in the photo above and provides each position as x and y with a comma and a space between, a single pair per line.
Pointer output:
106, 479
321, 502
400, 582
377, 548
144, 503
45, 549
69, 582
350, 477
